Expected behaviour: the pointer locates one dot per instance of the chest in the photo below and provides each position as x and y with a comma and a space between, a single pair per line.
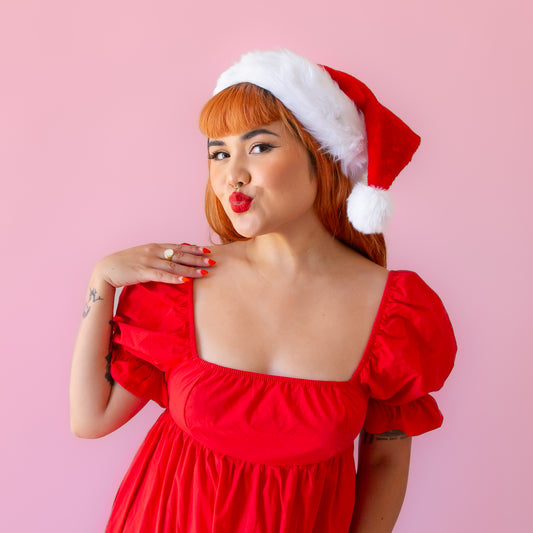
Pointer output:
315, 332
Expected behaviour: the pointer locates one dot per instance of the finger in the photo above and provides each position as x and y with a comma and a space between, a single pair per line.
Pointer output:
182, 256
156, 274
180, 269
187, 248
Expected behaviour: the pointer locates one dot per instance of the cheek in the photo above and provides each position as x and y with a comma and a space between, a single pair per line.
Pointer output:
215, 183
287, 176
297, 180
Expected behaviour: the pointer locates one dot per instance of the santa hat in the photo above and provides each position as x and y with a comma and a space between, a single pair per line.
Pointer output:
341, 113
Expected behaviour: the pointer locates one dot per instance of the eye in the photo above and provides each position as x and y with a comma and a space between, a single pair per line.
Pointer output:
219, 155
260, 148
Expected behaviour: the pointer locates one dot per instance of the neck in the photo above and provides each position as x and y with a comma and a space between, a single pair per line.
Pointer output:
300, 248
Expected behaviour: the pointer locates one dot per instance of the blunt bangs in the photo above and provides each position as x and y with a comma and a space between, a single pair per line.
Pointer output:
240, 108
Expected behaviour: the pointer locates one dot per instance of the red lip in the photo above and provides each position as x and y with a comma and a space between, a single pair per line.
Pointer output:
240, 202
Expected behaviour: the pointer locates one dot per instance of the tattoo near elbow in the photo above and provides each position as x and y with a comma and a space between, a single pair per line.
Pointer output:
395, 434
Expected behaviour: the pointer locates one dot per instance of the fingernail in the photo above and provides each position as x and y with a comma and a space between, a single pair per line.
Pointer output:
186, 244
211, 262
184, 279
206, 251
203, 272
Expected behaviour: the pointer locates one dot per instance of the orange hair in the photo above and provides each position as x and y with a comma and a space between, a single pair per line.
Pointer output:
245, 106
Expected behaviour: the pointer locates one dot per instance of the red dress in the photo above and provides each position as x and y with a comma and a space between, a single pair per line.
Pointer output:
239, 451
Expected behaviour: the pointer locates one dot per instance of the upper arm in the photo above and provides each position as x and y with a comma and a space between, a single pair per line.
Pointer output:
121, 407
391, 447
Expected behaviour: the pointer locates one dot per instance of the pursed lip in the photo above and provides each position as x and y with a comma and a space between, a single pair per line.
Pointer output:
240, 202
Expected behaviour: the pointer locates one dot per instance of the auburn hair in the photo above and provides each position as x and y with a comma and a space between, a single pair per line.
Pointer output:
245, 106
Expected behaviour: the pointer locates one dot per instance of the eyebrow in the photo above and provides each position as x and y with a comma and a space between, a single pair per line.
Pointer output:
245, 136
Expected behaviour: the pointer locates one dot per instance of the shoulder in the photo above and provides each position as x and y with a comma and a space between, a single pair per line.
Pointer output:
413, 347
226, 251
362, 277
407, 288
151, 292
413, 327
152, 304
409, 298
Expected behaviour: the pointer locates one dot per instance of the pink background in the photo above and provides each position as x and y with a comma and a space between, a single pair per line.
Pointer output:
99, 150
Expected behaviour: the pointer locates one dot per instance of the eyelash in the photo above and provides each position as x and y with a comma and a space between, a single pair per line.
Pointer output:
268, 147
215, 154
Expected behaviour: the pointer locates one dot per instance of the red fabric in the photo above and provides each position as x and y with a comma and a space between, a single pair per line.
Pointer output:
243, 451
391, 143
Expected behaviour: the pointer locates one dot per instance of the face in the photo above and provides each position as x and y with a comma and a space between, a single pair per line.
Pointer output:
263, 178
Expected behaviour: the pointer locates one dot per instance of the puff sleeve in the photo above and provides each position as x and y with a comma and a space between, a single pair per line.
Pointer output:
141, 344
411, 355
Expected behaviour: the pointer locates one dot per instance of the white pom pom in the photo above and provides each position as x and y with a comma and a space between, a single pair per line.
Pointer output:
369, 208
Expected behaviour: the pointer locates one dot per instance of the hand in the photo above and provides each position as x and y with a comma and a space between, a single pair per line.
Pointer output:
147, 263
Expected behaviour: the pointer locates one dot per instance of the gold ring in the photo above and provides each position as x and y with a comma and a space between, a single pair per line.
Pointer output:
168, 254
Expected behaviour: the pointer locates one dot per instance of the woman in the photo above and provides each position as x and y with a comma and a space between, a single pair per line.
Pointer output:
273, 351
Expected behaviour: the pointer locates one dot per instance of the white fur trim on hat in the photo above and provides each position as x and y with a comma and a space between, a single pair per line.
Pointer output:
307, 90
368, 208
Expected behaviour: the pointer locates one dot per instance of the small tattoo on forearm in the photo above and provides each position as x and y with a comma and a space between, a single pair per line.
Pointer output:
93, 295
369, 438
92, 298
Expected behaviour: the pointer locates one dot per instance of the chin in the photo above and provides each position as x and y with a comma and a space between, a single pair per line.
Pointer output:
241, 227
248, 233
249, 230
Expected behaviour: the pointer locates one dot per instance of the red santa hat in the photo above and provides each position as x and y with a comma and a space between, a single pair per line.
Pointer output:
371, 143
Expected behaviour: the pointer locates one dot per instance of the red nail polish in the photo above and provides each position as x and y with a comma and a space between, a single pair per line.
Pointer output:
211, 261
203, 272
206, 251
185, 279
186, 244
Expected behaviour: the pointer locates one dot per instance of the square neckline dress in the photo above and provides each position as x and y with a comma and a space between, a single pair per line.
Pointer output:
236, 450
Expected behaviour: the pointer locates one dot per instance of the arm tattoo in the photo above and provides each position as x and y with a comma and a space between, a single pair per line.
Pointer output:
92, 298
395, 434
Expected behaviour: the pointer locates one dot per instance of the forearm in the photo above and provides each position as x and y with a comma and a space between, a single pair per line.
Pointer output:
381, 483
89, 388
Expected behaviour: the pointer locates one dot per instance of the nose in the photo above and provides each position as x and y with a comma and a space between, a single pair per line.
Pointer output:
238, 174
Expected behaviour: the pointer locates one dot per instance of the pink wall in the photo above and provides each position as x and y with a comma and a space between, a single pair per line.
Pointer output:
99, 150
